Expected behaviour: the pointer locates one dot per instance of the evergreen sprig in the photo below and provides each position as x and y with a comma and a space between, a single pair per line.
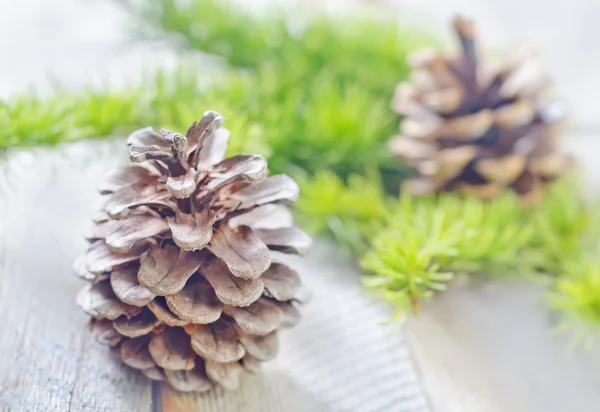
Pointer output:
412, 246
349, 211
427, 241
576, 297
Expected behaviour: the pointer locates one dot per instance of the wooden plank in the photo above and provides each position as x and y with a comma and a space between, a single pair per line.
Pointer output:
257, 393
48, 359
488, 347
466, 337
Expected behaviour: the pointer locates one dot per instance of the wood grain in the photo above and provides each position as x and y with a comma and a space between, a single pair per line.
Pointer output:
48, 359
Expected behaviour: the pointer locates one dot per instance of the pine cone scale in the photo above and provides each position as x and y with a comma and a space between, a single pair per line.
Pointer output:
136, 326
196, 303
161, 310
218, 342
126, 287
192, 231
171, 349
243, 252
230, 289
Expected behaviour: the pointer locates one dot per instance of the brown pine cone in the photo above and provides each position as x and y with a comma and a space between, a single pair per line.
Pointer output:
181, 279
476, 129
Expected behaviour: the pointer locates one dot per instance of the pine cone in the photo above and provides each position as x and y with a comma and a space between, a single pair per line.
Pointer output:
477, 129
182, 284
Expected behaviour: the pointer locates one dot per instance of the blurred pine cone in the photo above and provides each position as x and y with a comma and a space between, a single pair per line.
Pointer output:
182, 284
477, 129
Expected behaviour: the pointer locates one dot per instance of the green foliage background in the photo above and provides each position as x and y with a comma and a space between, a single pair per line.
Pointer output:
312, 94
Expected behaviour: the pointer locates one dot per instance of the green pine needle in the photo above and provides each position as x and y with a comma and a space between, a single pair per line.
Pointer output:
351, 212
576, 295
426, 241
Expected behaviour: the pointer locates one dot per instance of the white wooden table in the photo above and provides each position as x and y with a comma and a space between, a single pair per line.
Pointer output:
343, 357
